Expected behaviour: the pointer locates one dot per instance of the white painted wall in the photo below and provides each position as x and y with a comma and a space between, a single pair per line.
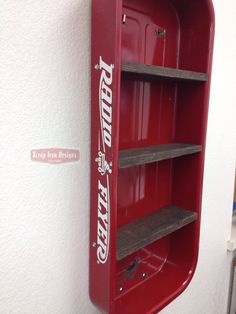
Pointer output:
44, 209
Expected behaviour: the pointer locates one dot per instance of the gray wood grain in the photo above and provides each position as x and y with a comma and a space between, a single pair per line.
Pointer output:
147, 230
163, 72
139, 156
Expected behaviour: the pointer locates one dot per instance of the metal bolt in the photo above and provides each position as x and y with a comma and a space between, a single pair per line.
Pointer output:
124, 16
161, 32
121, 289
144, 275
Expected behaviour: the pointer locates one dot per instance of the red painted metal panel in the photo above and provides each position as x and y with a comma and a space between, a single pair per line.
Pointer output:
130, 112
105, 86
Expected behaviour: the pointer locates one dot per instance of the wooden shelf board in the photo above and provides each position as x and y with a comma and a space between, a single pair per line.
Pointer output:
139, 156
163, 72
147, 230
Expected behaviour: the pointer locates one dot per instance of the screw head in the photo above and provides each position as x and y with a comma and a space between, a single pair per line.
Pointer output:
161, 32
144, 275
121, 289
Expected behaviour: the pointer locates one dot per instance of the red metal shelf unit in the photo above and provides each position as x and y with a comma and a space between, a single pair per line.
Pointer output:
151, 70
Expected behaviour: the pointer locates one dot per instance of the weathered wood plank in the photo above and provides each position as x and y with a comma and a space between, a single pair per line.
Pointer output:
163, 72
139, 156
147, 230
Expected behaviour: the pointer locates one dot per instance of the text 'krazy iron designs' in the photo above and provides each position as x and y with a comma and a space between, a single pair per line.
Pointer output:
104, 154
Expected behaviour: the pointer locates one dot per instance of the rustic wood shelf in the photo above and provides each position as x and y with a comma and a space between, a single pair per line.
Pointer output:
163, 72
139, 156
147, 230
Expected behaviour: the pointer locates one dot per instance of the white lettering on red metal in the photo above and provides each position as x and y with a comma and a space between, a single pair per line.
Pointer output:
104, 165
